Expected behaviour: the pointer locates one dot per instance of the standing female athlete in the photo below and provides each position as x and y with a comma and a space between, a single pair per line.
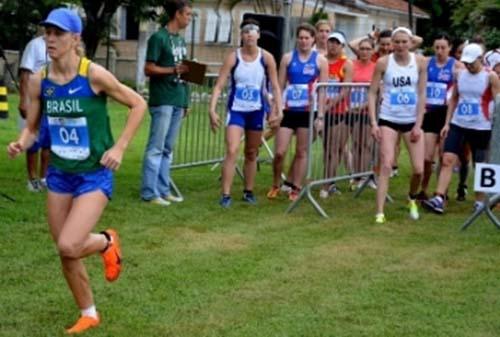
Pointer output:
404, 76
72, 92
362, 143
468, 120
249, 68
441, 70
299, 70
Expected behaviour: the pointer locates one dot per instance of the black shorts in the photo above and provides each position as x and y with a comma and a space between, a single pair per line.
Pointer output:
434, 120
295, 119
478, 140
403, 128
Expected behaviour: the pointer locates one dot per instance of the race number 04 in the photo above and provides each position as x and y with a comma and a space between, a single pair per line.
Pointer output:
69, 136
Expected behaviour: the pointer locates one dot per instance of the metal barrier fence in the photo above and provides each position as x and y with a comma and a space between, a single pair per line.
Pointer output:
197, 145
345, 137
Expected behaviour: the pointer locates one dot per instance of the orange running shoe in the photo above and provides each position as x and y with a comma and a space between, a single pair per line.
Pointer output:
83, 324
112, 256
273, 192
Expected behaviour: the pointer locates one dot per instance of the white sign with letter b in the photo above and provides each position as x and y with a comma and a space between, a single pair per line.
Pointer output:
487, 178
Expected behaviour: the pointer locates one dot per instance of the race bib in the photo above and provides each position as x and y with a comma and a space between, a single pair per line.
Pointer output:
69, 137
297, 96
247, 98
332, 91
403, 97
436, 93
468, 111
359, 96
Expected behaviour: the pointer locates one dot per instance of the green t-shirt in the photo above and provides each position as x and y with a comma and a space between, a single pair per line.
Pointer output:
165, 50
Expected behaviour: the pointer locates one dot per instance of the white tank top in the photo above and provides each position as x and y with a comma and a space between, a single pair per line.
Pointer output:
247, 82
475, 101
400, 92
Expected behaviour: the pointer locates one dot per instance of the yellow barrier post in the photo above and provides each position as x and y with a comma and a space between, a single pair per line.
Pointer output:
4, 105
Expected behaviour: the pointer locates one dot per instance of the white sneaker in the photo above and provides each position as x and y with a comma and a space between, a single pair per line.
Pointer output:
43, 182
159, 201
173, 198
323, 194
285, 188
372, 184
33, 185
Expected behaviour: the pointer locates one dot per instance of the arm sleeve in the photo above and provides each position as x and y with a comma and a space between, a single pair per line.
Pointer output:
28, 59
154, 49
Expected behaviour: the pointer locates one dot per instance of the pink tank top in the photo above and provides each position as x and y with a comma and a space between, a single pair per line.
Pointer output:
362, 72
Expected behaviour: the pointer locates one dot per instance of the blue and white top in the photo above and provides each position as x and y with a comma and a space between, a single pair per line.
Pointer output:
439, 83
400, 93
248, 80
301, 77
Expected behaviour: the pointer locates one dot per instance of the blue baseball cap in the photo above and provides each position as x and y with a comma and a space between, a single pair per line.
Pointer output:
65, 19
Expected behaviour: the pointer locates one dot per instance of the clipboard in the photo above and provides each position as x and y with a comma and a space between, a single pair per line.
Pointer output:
196, 73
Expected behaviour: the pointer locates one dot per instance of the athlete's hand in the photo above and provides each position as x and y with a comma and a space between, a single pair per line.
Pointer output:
376, 133
112, 158
415, 134
14, 149
444, 131
274, 120
319, 124
214, 121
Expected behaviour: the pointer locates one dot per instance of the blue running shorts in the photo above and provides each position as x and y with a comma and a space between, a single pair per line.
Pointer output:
80, 183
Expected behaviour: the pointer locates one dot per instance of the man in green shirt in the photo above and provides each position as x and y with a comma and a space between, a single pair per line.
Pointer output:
168, 99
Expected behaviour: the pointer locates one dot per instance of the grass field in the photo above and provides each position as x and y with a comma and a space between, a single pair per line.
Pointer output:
194, 269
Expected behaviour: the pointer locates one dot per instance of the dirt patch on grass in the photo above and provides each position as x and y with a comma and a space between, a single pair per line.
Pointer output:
200, 241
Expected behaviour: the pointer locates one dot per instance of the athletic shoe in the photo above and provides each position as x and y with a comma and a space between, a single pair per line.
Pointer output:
225, 201
273, 192
83, 324
413, 208
461, 192
159, 201
380, 218
172, 198
42, 183
294, 194
286, 187
478, 205
434, 204
33, 185
394, 172
421, 196
354, 184
323, 194
249, 198
372, 184
112, 256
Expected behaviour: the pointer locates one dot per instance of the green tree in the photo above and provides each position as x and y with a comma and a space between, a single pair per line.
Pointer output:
477, 17
99, 14
20, 19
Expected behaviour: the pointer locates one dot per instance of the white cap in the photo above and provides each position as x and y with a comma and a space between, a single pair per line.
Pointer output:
471, 52
337, 36
492, 58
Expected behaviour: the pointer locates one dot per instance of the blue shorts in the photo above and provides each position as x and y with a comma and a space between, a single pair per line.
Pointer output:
43, 139
80, 183
252, 120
